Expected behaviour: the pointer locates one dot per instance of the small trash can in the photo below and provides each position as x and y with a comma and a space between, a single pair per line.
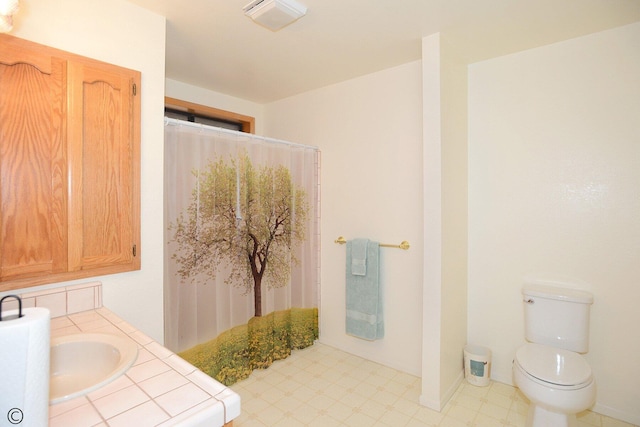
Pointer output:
477, 365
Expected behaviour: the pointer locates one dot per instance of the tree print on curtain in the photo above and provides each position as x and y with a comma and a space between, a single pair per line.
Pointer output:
247, 217
244, 221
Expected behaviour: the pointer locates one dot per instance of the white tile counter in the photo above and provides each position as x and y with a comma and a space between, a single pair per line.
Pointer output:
160, 389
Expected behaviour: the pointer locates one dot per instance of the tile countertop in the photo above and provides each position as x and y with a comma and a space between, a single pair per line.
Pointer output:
160, 389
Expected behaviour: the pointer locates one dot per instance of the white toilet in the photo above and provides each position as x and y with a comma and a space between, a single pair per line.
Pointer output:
549, 369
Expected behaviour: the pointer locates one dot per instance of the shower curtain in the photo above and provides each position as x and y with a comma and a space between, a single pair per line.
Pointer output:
242, 248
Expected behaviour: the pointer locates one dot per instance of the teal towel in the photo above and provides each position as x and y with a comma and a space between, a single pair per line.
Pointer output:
359, 257
363, 295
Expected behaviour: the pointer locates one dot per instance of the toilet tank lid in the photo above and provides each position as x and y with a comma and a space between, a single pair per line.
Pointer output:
557, 293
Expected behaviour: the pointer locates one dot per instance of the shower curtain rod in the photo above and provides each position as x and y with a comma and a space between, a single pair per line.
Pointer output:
176, 122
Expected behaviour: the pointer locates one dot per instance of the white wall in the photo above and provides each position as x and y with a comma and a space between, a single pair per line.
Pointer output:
129, 36
454, 219
370, 134
198, 95
554, 193
445, 220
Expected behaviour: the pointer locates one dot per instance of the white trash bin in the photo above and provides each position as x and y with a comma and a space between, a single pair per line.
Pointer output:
477, 365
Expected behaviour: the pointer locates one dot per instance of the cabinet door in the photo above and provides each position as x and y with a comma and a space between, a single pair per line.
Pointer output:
103, 161
33, 212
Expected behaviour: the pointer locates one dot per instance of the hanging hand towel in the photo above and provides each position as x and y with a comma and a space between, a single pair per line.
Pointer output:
359, 257
363, 294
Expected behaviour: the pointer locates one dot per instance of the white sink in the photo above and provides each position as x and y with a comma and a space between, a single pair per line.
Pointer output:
82, 363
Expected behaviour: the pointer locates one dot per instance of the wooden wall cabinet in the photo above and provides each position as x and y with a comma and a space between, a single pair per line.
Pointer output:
69, 166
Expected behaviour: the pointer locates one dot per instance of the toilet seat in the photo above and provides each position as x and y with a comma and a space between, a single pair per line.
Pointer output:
554, 367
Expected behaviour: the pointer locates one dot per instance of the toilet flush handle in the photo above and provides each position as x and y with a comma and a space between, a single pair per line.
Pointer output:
529, 301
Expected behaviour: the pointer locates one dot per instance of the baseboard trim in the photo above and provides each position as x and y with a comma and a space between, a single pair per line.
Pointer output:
438, 405
388, 363
452, 389
617, 414
431, 404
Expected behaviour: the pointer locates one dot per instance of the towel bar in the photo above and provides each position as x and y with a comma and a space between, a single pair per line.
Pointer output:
403, 245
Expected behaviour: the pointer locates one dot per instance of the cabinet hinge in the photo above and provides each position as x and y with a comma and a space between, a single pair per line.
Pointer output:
135, 250
135, 89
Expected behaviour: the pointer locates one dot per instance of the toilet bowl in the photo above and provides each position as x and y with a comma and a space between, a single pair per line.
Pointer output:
558, 382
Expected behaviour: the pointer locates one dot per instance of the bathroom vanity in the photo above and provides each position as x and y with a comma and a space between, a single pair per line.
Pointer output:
160, 389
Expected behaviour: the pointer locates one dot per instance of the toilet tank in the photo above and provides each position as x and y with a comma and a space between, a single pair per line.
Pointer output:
556, 316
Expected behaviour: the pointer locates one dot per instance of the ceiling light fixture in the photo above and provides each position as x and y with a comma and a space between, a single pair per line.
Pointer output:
274, 14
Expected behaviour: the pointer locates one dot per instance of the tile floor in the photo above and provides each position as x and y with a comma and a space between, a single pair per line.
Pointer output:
324, 387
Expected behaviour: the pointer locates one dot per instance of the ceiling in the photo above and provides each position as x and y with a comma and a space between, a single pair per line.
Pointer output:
213, 45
